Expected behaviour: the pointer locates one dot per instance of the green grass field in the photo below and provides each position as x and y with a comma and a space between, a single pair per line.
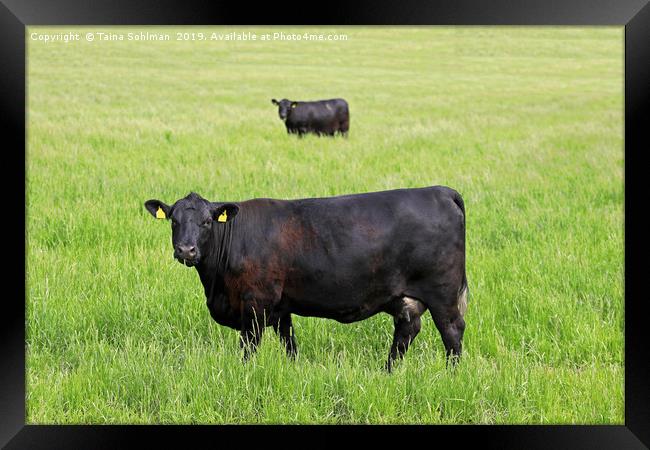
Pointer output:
526, 123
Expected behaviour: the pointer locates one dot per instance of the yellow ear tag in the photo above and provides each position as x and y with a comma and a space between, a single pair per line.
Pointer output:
223, 217
160, 214
294, 105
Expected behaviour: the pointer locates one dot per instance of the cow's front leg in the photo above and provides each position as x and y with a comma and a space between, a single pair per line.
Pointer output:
252, 327
285, 329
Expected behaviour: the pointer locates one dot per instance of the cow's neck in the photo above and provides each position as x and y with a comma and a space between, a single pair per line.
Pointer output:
209, 277
214, 262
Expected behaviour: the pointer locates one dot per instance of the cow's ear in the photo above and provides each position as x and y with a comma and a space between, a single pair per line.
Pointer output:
157, 209
224, 212
294, 104
274, 101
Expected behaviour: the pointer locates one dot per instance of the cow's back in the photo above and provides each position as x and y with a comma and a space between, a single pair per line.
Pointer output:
400, 228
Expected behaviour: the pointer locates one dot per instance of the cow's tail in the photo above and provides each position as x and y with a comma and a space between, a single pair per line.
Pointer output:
463, 292
463, 296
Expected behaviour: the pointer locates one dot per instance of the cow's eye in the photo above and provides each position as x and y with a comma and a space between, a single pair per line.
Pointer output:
206, 222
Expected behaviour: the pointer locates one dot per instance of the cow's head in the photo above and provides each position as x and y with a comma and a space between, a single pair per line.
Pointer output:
193, 220
284, 107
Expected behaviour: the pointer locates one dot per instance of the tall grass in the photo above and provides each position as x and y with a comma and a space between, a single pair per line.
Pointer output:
526, 123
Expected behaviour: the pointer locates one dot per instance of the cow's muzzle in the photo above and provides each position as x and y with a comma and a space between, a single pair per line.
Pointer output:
186, 254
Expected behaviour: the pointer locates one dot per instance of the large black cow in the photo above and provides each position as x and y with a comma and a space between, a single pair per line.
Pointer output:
321, 117
345, 258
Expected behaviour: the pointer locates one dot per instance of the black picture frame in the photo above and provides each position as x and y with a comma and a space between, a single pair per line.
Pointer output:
15, 15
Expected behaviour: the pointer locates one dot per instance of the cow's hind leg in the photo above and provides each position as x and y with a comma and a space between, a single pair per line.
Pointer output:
448, 317
284, 328
406, 313
344, 127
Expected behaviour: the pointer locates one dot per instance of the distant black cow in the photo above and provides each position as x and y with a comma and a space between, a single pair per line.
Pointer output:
346, 258
321, 117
